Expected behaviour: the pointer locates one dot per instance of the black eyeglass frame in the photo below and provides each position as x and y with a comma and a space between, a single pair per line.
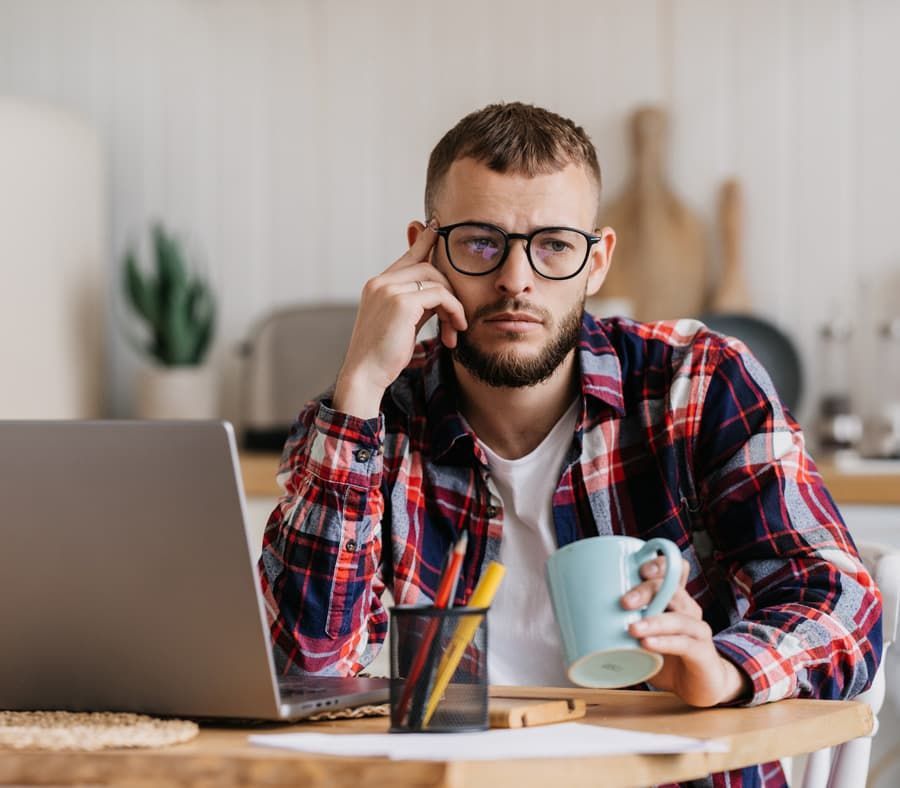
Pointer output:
445, 231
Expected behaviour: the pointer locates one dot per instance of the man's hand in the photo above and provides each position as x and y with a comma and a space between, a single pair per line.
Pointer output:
394, 306
692, 667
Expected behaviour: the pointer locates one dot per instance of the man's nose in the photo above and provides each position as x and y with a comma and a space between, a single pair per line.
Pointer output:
516, 274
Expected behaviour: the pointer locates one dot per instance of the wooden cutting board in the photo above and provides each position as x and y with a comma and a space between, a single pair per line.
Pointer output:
661, 260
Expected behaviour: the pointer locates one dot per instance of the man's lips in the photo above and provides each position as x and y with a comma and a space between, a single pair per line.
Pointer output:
510, 323
512, 317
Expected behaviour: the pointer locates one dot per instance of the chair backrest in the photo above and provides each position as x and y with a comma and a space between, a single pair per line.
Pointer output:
883, 561
292, 355
771, 346
847, 766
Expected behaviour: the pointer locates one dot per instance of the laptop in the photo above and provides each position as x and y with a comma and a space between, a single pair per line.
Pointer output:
127, 581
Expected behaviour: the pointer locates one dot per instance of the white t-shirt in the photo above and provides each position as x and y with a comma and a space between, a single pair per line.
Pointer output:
524, 645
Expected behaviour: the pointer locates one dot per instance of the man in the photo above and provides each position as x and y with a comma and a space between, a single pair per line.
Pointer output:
530, 424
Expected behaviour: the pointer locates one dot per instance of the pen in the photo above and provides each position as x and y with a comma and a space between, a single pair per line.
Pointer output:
443, 598
482, 596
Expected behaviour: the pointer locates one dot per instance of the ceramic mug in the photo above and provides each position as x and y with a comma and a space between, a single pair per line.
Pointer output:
587, 580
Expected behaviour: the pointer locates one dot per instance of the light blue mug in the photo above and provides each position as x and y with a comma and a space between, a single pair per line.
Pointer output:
587, 580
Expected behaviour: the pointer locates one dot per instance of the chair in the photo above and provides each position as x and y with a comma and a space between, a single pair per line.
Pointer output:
292, 355
771, 346
847, 765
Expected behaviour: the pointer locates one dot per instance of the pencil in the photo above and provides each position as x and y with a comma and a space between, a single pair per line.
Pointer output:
443, 598
481, 597
422, 688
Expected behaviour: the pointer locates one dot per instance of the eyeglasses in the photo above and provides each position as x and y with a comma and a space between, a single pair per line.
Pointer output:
553, 252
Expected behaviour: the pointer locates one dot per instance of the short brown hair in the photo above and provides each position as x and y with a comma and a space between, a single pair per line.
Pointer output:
514, 137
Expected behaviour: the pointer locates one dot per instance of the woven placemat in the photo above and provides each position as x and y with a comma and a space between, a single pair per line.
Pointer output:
89, 731
381, 710
354, 713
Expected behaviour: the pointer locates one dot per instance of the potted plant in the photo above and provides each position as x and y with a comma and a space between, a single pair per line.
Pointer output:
178, 309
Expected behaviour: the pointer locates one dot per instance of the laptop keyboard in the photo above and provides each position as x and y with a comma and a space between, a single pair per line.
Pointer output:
300, 688
312, 692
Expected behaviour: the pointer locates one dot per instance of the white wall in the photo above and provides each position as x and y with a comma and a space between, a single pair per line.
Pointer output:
54, 238
289, 139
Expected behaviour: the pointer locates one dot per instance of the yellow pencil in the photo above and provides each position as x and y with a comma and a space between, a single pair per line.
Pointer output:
482, 596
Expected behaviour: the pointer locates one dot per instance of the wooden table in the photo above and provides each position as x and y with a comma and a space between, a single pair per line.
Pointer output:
221, 756
881, 489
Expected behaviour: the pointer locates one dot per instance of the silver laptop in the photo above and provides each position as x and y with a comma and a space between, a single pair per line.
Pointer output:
127, 582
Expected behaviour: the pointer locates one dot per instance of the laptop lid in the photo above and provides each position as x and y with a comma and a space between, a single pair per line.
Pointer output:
127, 579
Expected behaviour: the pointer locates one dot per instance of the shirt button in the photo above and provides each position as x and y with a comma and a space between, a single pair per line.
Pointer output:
362, 455
350, 546
491, 512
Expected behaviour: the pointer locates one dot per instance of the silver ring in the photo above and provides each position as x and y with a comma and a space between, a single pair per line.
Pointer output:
420, 285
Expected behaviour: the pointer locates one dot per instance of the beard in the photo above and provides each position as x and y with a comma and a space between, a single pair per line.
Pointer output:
508, 369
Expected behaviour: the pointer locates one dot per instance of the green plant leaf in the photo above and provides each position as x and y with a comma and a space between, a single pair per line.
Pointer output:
178, 308
141, 292
203, 314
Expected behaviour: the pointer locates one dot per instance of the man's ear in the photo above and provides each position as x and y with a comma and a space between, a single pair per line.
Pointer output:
412, 231
600, 260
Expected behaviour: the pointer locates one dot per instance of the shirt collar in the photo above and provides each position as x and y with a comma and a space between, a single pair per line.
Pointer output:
452, 440
601, 368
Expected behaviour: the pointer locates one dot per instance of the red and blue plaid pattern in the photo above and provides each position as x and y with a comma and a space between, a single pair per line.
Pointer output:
681, 434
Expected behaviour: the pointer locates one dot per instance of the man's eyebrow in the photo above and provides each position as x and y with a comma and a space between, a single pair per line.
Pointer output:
502, 225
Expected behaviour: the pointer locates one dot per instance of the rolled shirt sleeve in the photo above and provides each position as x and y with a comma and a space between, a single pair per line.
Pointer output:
810, 612
322, 546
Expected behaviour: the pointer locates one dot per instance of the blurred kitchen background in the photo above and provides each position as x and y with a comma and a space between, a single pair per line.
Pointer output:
284, 143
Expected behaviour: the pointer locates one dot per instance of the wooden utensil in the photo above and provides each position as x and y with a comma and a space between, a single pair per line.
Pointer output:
521, 713
661, 261
730, 294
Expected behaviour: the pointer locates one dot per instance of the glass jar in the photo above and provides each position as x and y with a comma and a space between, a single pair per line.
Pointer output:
840, 426
886, 424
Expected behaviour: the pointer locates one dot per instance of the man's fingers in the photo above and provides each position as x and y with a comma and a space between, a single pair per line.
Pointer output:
434, 297
425, 296
454, 319
642, 595
672, 624
420, 250
655, 567
410, 275
675, 645
420, 272
448, 334
683, 602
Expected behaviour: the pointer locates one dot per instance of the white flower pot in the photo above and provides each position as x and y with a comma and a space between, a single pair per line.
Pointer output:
177, 393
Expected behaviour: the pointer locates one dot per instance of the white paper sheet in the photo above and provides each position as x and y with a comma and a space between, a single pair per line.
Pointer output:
566, 740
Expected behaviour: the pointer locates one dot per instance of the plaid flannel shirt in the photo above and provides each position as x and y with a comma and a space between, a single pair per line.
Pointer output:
681, 434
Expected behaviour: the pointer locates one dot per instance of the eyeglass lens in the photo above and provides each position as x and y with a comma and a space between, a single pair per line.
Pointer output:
477, 249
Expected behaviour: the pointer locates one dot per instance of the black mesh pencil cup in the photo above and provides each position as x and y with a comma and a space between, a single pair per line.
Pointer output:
438, 669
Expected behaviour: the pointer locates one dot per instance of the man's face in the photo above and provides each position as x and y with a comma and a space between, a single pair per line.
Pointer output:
521, 325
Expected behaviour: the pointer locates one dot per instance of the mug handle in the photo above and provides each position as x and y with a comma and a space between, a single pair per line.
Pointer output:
673, 571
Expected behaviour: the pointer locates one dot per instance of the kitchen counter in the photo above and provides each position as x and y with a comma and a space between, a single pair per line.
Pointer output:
877, 488
881, 488
258, 470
